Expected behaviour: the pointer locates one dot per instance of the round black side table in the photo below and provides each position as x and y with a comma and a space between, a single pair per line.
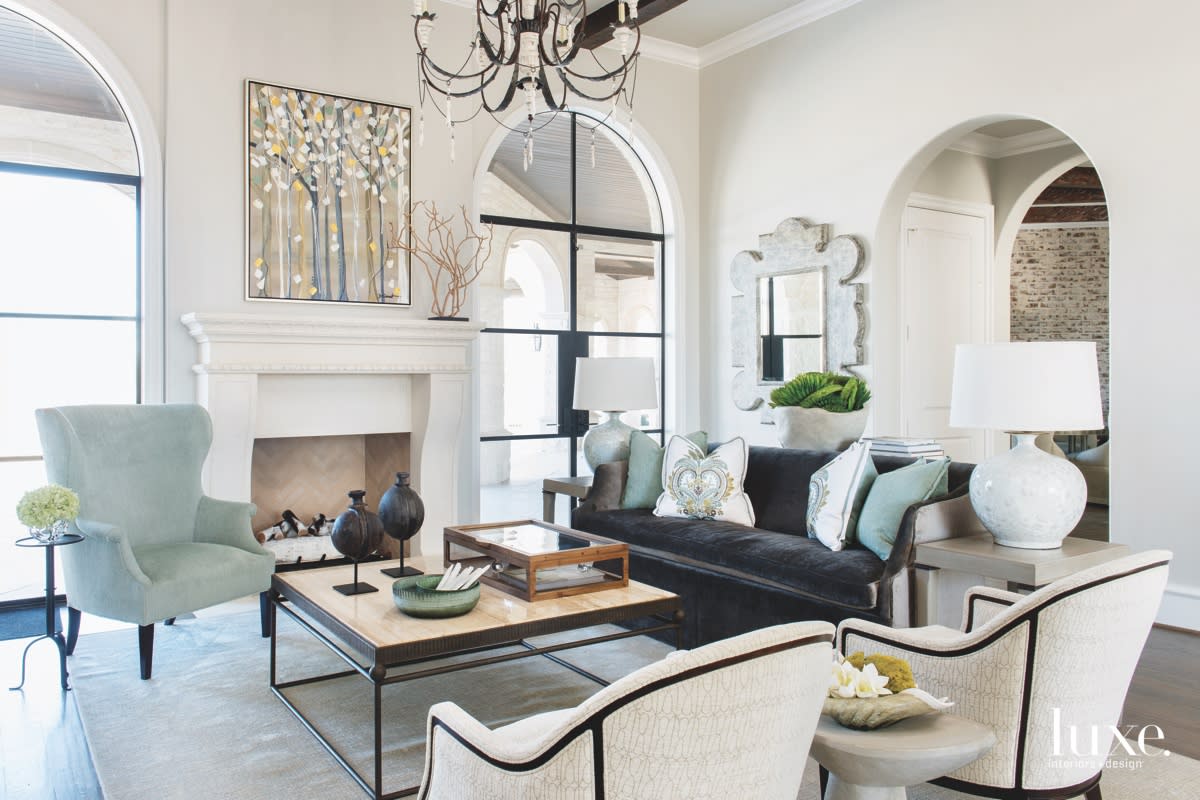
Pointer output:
53, 632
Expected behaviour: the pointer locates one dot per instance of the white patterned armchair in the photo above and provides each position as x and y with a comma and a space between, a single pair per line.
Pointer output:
1031, 666
731, 719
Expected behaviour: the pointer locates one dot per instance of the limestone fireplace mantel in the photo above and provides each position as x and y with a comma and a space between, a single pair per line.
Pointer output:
262, 376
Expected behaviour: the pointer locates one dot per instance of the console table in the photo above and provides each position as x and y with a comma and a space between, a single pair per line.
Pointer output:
574, 487
971, 560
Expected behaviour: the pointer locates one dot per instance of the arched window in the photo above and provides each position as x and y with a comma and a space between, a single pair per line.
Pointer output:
587, 201
70, 300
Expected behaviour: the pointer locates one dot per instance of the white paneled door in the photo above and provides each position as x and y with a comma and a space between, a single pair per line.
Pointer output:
944, 295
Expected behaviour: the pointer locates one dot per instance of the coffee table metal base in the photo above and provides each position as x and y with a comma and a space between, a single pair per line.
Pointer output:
378, 678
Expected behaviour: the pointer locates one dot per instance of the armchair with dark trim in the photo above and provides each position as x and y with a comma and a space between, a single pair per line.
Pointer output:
156, 547
731, 719
1033, 668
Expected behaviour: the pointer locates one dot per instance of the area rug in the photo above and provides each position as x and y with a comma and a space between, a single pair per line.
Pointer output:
24, 623
207, 726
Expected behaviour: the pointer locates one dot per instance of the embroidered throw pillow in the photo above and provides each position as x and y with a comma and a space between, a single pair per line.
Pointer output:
644, 483
836, 493
697, 485
891, 496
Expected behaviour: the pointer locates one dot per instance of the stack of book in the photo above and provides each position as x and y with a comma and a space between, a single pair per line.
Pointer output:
905, 446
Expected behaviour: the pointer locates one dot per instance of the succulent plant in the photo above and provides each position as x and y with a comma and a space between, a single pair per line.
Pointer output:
826, 390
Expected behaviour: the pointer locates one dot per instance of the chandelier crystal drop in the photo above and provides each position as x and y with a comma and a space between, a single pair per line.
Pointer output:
530, 52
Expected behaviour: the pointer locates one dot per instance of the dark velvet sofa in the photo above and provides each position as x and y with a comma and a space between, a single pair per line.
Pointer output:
734, 579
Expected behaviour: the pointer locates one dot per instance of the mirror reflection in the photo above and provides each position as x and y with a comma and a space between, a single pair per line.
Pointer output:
791, 324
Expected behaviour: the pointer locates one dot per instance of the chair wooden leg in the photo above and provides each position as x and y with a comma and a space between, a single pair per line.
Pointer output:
73, 616
824, 773
146, 649
264, 613
169, 621
1093, 793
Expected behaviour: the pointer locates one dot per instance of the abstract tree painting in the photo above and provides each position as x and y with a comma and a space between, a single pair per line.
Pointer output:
327, 193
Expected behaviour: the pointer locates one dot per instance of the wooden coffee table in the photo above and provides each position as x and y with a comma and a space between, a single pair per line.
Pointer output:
368, 628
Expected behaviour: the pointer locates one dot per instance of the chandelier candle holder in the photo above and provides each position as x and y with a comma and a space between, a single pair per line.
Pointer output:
535, 52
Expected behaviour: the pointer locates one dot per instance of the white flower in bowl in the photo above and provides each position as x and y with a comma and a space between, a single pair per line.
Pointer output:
842, 679
869, 683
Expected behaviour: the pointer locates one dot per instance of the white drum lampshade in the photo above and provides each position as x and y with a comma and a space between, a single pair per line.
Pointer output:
1025, 497
612, 385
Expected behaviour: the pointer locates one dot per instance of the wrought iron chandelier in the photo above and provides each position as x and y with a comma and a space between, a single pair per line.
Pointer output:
529, 51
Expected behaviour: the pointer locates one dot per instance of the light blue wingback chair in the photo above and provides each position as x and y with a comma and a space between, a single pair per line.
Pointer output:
156, 546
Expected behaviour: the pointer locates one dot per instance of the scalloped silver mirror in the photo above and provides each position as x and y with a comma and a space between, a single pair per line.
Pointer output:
796, 309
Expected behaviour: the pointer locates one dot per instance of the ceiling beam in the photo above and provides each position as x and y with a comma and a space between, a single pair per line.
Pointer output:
598, 27
1079, 176
1056, 195
1044, 214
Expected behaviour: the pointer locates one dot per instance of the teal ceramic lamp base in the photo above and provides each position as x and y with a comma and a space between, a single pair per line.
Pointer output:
608, 441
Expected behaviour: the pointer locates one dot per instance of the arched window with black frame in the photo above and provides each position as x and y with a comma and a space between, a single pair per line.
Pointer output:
70, 279
577, 272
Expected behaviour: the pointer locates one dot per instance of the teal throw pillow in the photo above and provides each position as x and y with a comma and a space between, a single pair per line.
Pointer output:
644, 484
891, 495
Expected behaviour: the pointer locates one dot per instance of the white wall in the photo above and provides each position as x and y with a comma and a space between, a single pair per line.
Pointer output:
958, 176
836, 121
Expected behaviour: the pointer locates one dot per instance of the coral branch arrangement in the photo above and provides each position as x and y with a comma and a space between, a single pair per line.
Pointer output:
452, 250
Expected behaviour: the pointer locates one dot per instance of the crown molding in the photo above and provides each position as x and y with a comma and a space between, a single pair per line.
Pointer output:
980, 144
670, 52
803, 13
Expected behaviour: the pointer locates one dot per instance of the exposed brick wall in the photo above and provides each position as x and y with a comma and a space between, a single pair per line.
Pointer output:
1059, 290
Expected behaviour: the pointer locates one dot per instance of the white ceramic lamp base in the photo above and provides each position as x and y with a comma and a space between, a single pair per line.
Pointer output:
1028, 498
608, 441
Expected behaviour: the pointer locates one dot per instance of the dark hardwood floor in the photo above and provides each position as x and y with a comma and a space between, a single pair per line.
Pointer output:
44, 754
1164, 690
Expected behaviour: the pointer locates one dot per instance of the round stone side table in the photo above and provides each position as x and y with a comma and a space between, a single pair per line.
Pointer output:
878, 764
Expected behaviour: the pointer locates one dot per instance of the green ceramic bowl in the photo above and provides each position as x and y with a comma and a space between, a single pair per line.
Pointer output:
416, 596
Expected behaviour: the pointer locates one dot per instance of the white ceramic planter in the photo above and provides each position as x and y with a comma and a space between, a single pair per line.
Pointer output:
818, 429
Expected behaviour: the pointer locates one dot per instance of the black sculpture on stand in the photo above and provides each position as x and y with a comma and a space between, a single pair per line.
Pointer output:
402, 513
357, 532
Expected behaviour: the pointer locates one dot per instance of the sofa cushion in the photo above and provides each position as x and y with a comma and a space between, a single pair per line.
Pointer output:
708, 486
836, 495
890, 497
644, 482
848, 578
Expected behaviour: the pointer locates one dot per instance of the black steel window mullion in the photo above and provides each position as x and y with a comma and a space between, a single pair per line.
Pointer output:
572, 342
566, 227
566, 378
67, 173
518, 437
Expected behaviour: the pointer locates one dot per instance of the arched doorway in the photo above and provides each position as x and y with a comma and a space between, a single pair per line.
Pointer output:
71, 312
580, 236
1003, 235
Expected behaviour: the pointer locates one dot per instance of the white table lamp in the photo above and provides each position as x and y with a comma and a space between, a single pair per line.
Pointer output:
1025, 497
612, 385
